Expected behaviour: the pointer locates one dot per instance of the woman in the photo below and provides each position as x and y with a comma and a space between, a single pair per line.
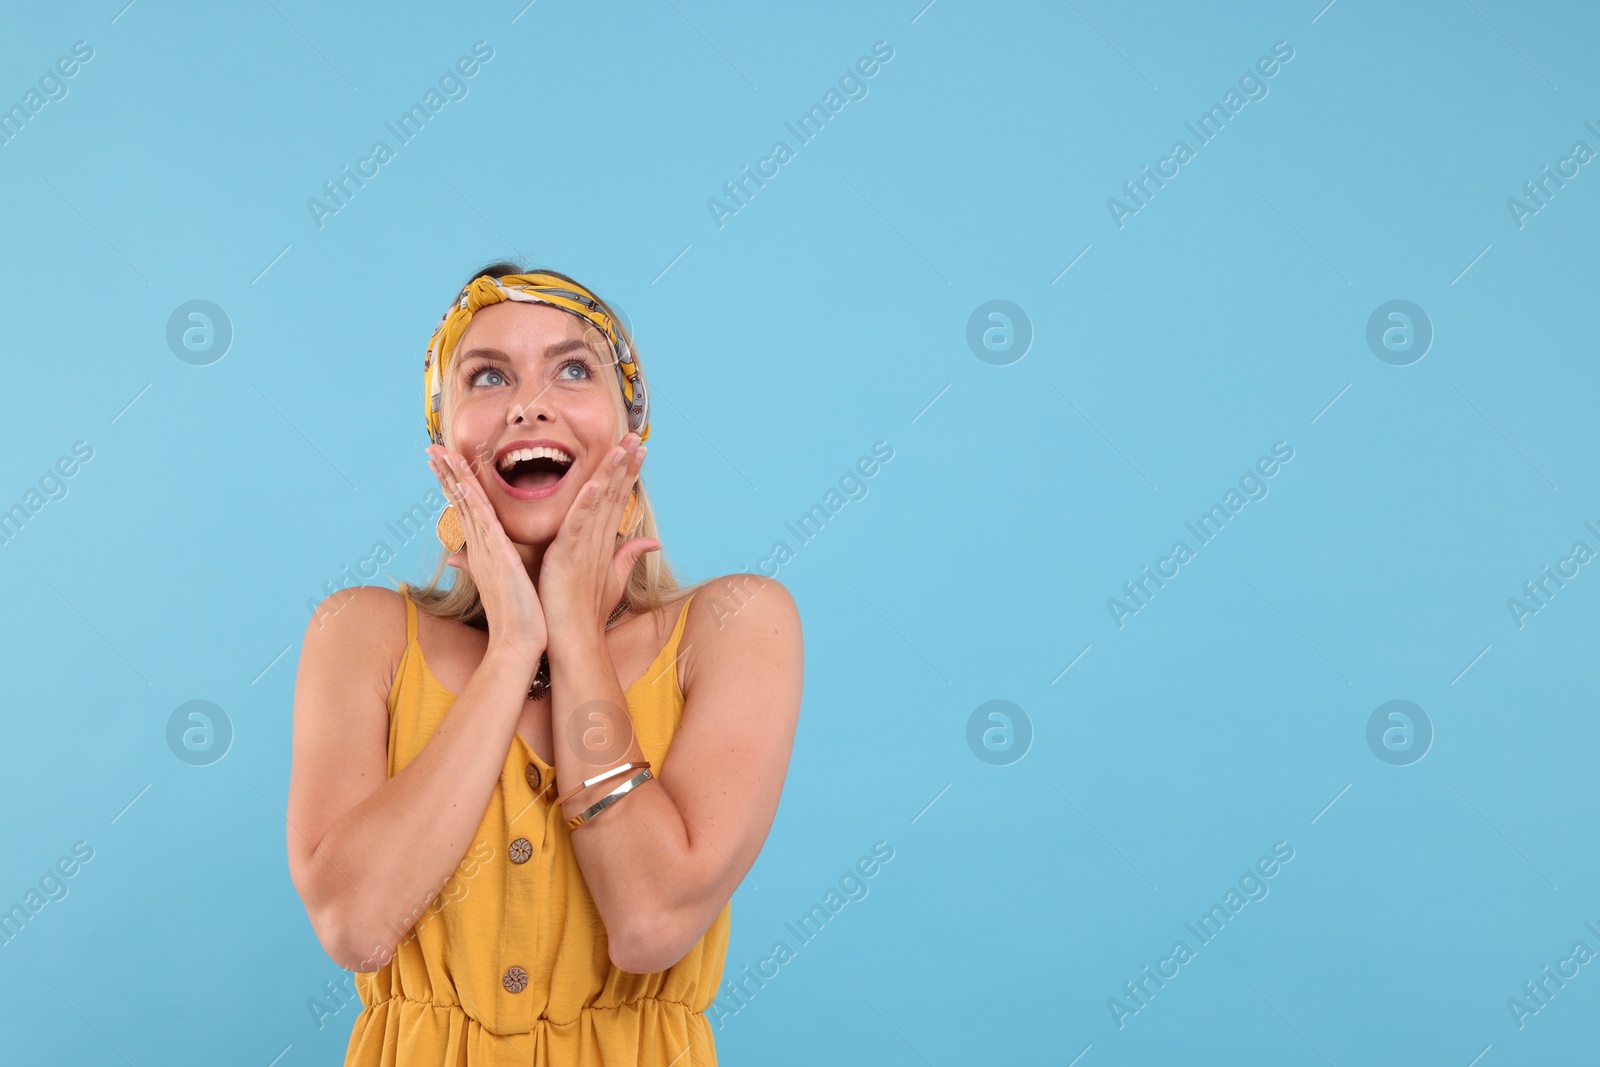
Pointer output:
519, 805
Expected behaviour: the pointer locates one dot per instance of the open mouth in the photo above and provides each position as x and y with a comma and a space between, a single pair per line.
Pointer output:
533, 473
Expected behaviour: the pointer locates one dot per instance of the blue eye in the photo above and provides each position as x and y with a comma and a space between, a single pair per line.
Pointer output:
476, 375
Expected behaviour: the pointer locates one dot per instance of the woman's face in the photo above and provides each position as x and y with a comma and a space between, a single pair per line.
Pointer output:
525, 374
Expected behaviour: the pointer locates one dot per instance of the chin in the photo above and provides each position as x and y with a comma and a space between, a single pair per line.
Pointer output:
529, 533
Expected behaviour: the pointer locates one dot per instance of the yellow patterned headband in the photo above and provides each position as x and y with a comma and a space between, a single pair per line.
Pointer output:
536, 288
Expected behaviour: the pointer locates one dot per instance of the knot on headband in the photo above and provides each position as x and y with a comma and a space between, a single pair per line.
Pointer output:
538, 288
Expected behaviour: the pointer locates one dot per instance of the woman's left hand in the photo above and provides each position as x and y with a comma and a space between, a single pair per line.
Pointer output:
584, 571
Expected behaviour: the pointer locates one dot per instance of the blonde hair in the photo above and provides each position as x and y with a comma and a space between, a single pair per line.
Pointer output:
651, 585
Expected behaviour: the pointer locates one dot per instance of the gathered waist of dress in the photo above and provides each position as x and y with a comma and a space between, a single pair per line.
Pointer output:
541, 1019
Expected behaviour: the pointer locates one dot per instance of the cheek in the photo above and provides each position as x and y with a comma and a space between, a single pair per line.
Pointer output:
599, 425
584, 474
471, 425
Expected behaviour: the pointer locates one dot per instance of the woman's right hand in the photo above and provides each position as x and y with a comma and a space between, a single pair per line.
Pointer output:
509, 597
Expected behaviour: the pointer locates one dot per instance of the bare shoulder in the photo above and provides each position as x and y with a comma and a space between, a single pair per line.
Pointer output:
362, 627
748, 600
738, 621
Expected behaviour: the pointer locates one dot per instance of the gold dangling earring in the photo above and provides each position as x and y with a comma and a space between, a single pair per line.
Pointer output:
451, 535
628, 511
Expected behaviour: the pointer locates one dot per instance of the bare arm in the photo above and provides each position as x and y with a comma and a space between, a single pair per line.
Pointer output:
368, 853
661, 864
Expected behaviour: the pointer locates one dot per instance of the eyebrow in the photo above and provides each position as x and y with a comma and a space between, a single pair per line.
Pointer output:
560, 348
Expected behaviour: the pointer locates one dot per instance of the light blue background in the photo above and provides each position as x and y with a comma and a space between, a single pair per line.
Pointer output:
828, 314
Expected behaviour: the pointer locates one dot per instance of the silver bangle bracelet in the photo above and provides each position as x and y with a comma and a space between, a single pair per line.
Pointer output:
609, 799
597, 779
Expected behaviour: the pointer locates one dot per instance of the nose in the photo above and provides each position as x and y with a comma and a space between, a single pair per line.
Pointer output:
529, 402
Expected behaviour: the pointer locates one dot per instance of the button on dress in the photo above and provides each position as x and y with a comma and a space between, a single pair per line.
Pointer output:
508, 965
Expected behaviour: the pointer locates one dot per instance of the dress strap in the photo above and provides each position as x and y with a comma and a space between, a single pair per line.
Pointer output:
411, 614
683, 615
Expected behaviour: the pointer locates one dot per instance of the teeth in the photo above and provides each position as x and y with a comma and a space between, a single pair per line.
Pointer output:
517, 455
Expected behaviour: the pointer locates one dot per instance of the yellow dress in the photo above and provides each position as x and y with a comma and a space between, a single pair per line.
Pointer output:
508, 965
